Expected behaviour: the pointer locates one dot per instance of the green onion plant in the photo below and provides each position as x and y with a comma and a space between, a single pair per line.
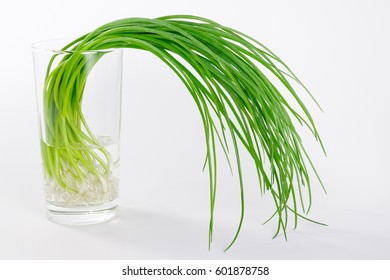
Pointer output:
229, 76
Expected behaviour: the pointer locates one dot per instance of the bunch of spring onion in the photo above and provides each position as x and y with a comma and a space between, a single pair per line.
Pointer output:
228, 75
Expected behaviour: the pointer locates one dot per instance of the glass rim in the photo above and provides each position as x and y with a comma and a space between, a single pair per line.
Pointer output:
44, 45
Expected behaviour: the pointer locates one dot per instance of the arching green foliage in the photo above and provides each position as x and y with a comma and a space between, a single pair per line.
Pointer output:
228, 75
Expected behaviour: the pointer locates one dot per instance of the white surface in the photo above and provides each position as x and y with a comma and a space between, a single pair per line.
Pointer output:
340, 49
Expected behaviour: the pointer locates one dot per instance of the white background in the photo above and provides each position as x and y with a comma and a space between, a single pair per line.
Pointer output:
340, 49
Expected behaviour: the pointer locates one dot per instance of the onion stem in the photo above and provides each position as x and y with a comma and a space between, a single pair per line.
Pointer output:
228, 75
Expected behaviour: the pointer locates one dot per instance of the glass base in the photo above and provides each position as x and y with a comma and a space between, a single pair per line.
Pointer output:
83, 215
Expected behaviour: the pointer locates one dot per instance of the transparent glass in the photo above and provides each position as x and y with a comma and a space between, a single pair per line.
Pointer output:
79, 109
